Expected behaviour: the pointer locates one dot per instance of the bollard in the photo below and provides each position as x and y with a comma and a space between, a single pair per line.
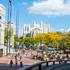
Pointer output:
53, 62
65, 61
59, 62
46, 63
39, 67
29, 69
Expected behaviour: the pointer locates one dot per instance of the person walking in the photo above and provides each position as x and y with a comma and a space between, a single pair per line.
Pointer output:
21, 64
16, 59
11, 63
20, 58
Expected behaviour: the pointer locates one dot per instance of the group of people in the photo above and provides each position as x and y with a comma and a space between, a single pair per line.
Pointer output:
16, 60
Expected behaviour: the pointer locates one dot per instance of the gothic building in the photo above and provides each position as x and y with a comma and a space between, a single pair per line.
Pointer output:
36, 28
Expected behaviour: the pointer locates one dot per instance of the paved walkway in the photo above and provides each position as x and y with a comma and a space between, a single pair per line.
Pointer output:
26, 60
5, 62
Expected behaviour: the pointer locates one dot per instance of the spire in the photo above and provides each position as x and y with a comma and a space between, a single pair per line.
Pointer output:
41, 22
34, 23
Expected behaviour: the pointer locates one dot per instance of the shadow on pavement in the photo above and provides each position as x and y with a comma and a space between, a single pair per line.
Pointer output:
9, 67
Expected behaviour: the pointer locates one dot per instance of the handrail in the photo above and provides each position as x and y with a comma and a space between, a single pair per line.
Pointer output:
40, 64
31, 66
59, 66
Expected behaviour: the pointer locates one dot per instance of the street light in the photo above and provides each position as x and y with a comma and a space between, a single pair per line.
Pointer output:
8, 25
17, 26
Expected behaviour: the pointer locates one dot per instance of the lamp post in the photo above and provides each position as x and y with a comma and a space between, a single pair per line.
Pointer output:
8, 25
17, 27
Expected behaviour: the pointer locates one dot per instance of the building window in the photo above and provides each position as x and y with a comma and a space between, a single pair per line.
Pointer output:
0, 17
26, 28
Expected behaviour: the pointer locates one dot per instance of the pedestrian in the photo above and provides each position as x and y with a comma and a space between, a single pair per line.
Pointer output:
20, 57
16, 59
11, 63
23, 51
16, 63
18, 54
15, 56
21, 64
12, 55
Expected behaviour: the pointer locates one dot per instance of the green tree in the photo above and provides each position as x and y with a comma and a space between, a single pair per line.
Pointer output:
30, 41
16, 39
7, 35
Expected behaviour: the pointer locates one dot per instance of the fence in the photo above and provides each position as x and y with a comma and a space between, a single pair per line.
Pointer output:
40, 65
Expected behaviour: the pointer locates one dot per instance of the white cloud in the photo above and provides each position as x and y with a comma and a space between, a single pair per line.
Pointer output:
50, 7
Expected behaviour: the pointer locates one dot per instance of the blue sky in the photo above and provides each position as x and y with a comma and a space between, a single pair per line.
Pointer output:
38, 10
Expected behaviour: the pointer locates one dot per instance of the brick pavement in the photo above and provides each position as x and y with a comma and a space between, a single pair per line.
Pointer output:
5, 61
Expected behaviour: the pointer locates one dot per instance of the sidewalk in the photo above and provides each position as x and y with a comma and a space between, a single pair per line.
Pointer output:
25, 60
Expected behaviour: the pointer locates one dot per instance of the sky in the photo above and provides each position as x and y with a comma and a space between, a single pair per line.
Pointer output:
53, 12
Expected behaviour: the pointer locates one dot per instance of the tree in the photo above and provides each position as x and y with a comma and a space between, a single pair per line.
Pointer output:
40, 38
16, 39
67, 41
7, 35
53, 38
30, 41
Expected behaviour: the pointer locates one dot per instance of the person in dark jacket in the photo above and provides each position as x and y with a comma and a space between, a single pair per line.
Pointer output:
11, 62
21, 64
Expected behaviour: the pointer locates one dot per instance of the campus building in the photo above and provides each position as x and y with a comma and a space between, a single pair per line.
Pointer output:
35, 28
3, 25
2, 28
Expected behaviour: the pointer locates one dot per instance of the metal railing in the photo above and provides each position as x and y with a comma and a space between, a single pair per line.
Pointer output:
40, 65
